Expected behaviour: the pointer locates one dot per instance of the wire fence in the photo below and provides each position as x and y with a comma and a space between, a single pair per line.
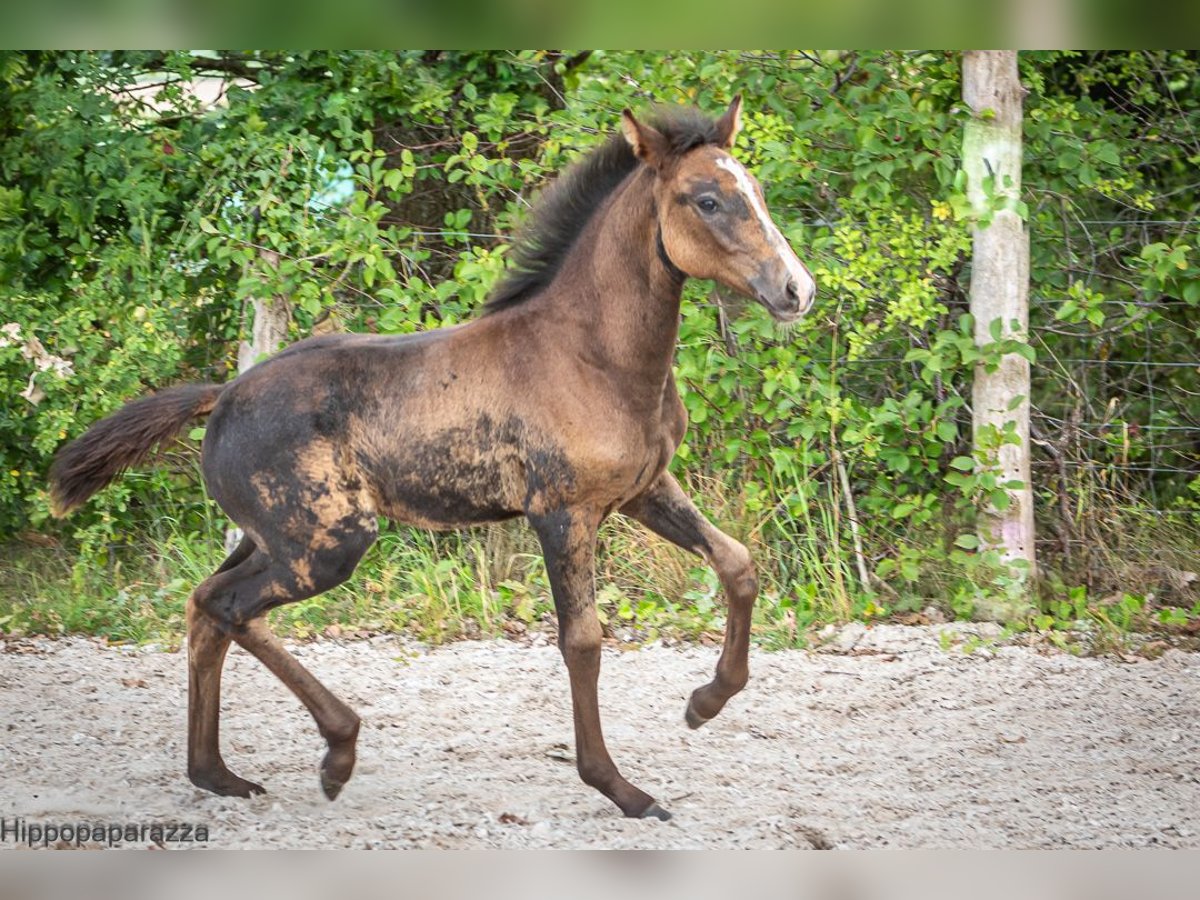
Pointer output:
1116, 403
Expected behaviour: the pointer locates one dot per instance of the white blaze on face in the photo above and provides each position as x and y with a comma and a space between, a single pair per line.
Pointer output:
806, 287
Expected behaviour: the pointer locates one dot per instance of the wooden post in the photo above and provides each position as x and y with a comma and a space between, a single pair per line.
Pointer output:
1000, 293
268, 333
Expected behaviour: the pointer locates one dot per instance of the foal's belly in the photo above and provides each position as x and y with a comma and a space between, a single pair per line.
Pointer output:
452, 478
444, 504
497, 468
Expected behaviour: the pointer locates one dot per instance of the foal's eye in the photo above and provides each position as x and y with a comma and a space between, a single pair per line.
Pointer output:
707, 204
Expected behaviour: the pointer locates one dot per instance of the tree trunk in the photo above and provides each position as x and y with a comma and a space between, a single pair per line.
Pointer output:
268, 333
1000, 293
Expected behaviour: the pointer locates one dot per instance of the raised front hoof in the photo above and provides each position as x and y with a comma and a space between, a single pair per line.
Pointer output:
331, 786
654, 811
694, 719
225, 783
335, 771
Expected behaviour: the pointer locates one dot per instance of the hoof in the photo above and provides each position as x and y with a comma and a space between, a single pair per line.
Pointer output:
331, 787
336, 769
694, 719
225, 784
654, 811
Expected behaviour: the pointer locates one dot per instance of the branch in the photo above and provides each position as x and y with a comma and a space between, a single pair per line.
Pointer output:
249, 68
846, 74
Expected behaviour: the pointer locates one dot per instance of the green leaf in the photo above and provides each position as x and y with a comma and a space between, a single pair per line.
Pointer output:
967, 541
1106, 152
963, 463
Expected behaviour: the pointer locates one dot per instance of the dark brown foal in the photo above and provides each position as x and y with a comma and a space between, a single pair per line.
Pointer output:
558, 404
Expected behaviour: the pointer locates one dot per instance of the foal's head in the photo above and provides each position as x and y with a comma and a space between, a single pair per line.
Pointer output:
714, 221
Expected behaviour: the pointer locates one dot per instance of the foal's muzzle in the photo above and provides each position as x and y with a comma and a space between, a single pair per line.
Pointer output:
786, 298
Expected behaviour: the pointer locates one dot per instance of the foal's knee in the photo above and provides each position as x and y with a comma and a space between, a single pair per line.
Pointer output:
579, 642
737, 571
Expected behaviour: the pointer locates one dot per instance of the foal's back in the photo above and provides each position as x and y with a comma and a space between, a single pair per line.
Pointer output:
428, 429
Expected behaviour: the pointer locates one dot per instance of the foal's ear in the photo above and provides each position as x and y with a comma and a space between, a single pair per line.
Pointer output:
648, 143
730, 124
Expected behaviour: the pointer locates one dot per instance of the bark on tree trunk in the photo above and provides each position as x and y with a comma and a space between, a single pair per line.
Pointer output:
1000, 293
268, 333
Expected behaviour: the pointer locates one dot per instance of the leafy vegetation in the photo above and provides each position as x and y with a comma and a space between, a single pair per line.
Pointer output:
147, 198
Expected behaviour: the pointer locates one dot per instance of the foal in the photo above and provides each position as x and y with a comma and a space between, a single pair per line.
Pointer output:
557, 404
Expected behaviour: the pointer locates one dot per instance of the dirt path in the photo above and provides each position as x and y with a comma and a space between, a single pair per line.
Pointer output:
883, 739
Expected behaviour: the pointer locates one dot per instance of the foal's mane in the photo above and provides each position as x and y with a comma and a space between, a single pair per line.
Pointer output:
564, 208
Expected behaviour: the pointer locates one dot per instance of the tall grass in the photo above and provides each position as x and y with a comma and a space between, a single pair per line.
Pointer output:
1134, 571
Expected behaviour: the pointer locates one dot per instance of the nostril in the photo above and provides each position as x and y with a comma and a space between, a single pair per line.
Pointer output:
793, 290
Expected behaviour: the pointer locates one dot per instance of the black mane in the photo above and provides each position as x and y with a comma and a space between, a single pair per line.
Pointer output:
565, 207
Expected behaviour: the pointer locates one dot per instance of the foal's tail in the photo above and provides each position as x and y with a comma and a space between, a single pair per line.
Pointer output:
124, 439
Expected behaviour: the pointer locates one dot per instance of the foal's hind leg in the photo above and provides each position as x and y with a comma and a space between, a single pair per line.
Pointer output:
667, 511
207, 645
336, 721
235, 603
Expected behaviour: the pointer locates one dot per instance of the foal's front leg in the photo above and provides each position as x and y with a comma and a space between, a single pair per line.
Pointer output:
568, 539
667, 511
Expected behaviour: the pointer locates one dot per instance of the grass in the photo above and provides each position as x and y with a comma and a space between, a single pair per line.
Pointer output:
491, 581
42, 591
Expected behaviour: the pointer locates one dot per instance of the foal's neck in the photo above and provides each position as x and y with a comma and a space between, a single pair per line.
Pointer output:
621, 291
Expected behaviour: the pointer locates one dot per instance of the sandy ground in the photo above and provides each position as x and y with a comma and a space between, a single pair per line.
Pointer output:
882, 738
